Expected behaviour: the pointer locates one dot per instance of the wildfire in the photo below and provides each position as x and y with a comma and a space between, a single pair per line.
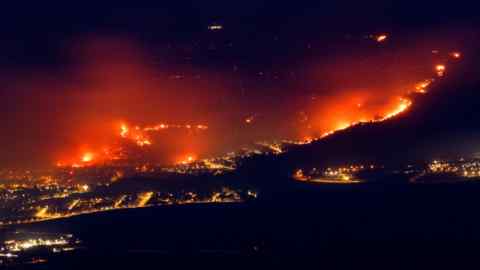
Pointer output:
358, 110
141, 137
422, 86
440, 68
123, 131
403, 106
187, 160
87, 157
300, 176
164, 126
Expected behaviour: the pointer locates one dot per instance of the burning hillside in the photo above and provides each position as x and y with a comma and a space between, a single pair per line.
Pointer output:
77, 120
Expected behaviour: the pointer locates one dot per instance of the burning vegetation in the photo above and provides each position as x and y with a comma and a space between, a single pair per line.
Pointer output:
203, 116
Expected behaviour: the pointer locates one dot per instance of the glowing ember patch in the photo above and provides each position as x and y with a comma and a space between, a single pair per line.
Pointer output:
124, 131
188, 159
343, 125
440, 70
421, 87
87, 157
300, 176
404, 105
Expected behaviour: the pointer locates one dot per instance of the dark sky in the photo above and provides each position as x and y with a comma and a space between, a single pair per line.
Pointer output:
32, 34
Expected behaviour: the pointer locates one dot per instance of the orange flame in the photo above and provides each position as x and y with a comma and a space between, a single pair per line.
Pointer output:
87, 157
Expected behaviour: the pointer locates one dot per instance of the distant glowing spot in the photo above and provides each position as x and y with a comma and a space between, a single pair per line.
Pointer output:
215, 27
381, 38
456, 55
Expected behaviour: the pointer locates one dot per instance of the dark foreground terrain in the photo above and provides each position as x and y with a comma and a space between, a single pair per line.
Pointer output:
350, 226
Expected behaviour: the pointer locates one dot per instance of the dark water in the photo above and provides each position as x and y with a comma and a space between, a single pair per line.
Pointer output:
334, 226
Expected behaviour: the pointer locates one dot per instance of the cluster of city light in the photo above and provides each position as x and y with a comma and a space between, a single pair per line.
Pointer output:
461, 168
437, 171
214, 166
332, 175
229, 162
98, 203
18, 245
215, 27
